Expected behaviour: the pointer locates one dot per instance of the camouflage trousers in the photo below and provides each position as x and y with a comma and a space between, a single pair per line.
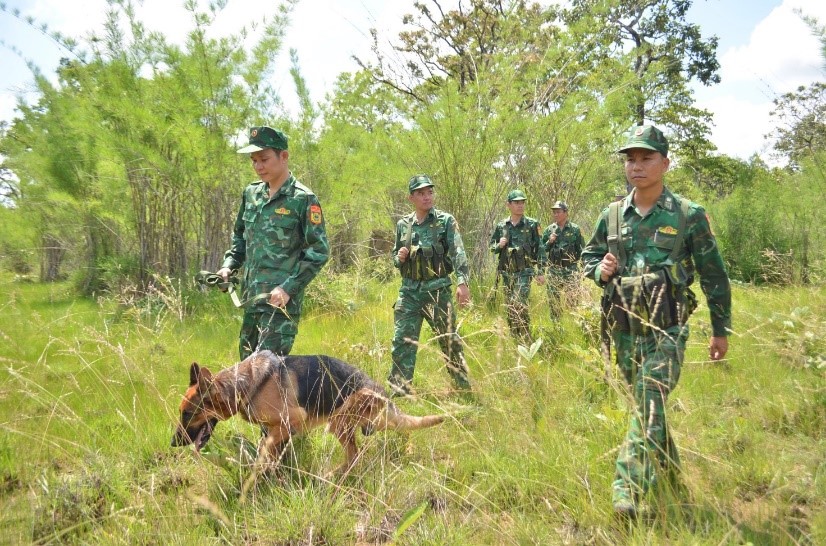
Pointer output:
517, 294
267, 329
560, 283
651, 367
436, 307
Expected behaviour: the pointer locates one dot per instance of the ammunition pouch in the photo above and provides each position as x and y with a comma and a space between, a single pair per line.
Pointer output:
514, 260
558, 257
426, 263
409, 269
656, 301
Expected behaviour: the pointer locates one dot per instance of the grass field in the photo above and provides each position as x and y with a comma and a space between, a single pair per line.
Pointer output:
89, 392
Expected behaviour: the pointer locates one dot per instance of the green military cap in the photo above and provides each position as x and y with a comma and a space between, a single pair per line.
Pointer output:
264, 137
647, 137
562, 205
419, 181
517, 195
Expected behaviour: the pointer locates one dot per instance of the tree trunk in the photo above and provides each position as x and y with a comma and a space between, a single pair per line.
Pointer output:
53, 253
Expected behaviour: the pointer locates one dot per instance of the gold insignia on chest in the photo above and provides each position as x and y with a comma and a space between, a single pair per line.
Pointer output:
667, 230
282, 210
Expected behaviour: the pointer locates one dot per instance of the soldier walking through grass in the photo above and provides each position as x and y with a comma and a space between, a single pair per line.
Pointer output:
562, 244
280, 239
428, 249
516, 243
644, 253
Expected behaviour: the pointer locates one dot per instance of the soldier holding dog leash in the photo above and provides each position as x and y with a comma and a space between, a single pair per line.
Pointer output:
280, 239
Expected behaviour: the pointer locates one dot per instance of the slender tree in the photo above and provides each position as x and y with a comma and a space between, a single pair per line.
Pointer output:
662, 52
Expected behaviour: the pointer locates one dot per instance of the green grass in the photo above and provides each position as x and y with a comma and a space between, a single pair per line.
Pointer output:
89, 394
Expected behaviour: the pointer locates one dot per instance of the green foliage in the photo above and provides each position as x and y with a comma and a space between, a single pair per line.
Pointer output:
138, 137
659, 53
18, 249
129, 156
801, 123
771, 230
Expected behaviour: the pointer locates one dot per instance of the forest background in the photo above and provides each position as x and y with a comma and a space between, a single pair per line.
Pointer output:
122, 180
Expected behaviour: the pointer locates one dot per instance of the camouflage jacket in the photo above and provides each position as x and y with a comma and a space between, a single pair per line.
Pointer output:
280, 241
567, 248
446, 230
648, 243
524, 235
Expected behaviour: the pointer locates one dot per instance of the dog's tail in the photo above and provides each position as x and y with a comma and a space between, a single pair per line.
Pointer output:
377, 412
390, 417
396, 420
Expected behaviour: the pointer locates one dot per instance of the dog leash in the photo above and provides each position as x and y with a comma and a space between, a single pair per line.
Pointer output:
210, 279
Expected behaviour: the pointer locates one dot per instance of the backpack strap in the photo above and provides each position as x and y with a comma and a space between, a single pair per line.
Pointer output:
678, 243
409, 237
615, 245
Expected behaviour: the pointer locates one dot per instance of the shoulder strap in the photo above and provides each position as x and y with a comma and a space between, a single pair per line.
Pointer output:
302, 187
434, 232
683, 220
409, 237
615, 245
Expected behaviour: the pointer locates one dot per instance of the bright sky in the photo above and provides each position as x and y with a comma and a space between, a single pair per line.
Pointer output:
765, 49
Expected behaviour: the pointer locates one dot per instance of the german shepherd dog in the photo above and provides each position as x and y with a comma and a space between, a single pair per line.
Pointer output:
289, 395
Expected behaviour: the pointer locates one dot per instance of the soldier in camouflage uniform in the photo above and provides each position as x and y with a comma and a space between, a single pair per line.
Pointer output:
428, 248
280, 239
644, 252
516, 242
562, 242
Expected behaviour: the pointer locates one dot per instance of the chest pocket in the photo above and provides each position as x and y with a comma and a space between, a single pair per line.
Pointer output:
250, 213
285, 228
664, 241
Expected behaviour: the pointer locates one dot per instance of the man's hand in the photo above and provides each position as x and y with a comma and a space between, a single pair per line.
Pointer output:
278, 297
540, 280
225, 273
503, 242
607, 267
402, 254
718, 347
463, 295
552, 238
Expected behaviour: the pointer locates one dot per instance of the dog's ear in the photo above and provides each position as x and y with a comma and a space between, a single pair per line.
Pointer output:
204, 380
194, 372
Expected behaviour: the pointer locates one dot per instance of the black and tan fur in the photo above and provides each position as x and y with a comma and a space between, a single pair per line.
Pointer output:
289, 395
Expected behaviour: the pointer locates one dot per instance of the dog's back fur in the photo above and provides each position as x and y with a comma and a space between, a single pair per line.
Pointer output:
289, 395
323, 383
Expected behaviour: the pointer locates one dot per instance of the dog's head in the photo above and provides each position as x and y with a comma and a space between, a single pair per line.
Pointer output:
198, 410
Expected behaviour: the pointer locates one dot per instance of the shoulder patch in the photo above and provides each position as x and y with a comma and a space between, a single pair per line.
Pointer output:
315, 214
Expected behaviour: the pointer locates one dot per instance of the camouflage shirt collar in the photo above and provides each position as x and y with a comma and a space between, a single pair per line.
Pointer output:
430, 214
664, 202
286, 188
